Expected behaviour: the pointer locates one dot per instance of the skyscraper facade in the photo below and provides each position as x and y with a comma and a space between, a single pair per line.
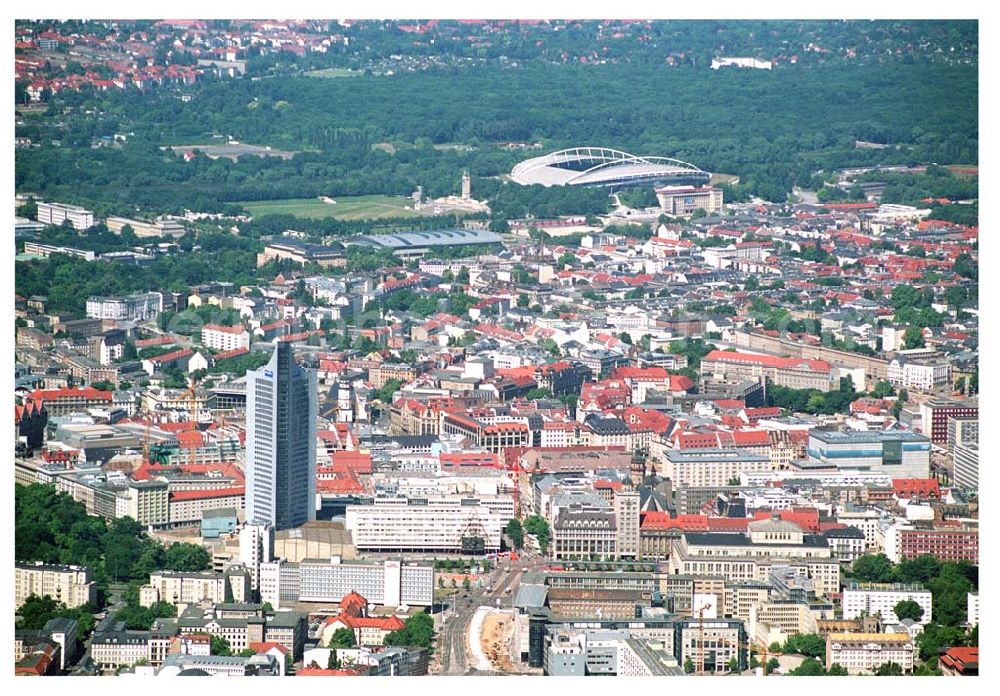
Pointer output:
281, 442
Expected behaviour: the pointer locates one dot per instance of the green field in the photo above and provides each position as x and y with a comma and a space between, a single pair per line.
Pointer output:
346, 207
333, 72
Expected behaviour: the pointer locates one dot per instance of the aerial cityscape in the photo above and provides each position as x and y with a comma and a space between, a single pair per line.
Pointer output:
353, 348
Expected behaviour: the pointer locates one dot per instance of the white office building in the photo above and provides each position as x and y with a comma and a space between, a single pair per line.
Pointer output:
57, 213
389, 583
448, 524
139, 307
881, 598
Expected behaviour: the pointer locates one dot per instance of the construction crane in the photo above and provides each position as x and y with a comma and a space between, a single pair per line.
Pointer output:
699, 666
751, 645
193, 408
145, 440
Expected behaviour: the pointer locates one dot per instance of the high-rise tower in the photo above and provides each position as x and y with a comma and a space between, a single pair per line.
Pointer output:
281, 442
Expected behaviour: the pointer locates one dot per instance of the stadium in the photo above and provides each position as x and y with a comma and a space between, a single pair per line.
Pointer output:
601, 166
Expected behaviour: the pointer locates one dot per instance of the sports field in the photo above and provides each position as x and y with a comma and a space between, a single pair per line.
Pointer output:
345, 208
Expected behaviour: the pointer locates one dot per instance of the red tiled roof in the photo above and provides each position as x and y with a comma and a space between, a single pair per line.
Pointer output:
961, 658
90, 393
224, 329
914, 487
267, 646
383, 623
642, 373
358, 462
158, 341
230, 353
727, 524
214, 493
352, 604
767, 360
170, 357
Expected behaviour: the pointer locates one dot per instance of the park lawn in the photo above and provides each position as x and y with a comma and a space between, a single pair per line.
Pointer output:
346, 208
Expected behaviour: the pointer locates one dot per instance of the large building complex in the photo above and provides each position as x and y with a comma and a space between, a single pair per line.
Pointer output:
138, 307
390, 583
710, 466
723, 366
409, 245
601, 166
281, 442
430, 524
900, 454
58, 213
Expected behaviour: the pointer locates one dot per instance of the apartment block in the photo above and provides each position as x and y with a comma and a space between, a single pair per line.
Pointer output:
69, 584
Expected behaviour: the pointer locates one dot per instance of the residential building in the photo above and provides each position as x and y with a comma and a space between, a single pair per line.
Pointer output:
60, 402
385, 372
281, 442
225, 338
184, 588
113, 649
848, 544
960, 662
972, 609
72, 585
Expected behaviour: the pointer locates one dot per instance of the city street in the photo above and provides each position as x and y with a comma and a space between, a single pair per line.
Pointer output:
452, 654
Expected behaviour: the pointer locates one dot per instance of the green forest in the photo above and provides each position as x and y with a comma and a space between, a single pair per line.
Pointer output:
774, 129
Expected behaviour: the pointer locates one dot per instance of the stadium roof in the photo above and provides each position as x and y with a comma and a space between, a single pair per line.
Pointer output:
431, 238
600, 166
